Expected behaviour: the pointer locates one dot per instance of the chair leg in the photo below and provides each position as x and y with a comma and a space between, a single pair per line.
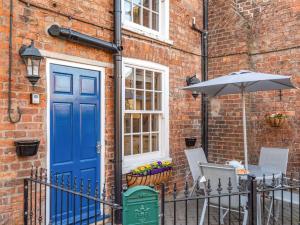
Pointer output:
276, 216
222, 215
270, 211
193, 189
245, 219
259, 218
201, 222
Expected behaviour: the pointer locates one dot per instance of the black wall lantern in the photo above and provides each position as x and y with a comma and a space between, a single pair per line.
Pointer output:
191, 81
32, 59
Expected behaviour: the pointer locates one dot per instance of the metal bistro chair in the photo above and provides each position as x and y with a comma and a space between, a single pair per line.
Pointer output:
273, 159
214, 172
194, 156
282, 196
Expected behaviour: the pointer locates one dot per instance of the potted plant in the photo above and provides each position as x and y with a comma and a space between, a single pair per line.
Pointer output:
27, 147
276, 119
150, 174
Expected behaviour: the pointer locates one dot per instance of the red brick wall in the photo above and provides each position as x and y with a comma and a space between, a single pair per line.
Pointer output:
261, 36
183, 59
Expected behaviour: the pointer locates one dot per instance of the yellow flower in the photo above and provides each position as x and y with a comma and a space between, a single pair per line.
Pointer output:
148, 166
136, 171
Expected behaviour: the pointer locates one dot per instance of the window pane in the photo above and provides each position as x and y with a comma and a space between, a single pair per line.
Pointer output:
127, 123
149, 80
36, 66
29, 66
155, 124
137, 14
136, 122
146, 17
157, 81
149, 100
157, 101
155, 5
127, 145
129, 100
136, 144
155, 21
146, 143
143, 91
128, 71
155, 145
139, 100
137, 2
146, 123
146, 3
139, 76
127, 9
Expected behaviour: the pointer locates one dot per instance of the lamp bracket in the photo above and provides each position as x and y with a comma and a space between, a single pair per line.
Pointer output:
192, 80
22, 49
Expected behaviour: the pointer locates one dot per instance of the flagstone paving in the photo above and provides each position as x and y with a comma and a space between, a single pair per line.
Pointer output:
193, 219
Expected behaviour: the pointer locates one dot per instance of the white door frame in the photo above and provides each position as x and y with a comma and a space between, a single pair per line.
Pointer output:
79, 65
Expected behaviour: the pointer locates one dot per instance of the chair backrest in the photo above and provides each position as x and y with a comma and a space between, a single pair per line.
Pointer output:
216, 173
274, 159
194, 156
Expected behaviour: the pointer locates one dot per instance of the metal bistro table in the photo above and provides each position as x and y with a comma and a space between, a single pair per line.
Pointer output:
261, 173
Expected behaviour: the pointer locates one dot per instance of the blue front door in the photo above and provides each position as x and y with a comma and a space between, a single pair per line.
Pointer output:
74, 134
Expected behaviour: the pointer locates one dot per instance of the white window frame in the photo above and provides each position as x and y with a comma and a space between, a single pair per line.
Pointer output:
133, 161
164, 17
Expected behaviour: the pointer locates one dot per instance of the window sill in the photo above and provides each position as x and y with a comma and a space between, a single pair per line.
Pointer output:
146, 33
129, 165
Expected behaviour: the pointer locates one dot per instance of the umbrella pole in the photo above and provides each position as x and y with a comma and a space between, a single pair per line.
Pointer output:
245, 130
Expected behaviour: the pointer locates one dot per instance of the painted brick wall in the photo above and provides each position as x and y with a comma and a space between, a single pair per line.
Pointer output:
30, 22
260, 36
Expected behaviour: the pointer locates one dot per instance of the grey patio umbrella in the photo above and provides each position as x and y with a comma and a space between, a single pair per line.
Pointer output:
242, 82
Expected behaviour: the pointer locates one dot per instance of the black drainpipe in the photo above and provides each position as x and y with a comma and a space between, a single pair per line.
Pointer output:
204, 102
204, 71
118, 108
77, 37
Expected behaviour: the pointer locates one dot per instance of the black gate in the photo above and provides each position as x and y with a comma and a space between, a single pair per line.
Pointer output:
70, 195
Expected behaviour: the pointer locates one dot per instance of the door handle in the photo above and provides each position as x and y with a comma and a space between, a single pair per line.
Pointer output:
99, 147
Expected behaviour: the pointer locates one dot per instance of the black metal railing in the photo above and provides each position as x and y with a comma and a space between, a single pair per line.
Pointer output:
61, 199
253, 202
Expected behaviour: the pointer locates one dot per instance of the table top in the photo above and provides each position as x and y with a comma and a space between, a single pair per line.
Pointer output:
259, 172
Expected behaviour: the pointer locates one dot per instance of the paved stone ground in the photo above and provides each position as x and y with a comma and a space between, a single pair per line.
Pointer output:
192, 214
214, 218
